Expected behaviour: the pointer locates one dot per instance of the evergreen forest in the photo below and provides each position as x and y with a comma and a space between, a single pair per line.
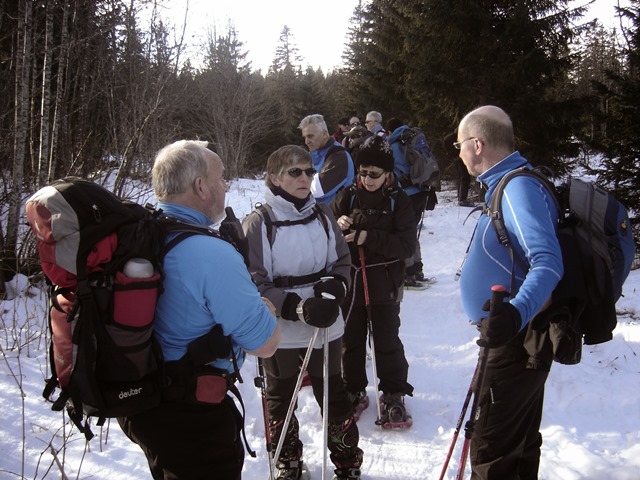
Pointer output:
94, 88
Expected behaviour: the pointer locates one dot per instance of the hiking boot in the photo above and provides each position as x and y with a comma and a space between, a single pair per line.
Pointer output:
289, 470
360, 402
466, 203
347, 474
394, 408
411, 282
343, 445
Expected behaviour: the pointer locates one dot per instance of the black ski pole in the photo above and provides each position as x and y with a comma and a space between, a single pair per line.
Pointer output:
367, 303
497, 296
260, 382
467, 400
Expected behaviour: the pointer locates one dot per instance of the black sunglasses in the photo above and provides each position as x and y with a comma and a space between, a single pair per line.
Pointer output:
367, 173
296, 172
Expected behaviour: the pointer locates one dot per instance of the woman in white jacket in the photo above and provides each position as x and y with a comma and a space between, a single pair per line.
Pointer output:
297, 254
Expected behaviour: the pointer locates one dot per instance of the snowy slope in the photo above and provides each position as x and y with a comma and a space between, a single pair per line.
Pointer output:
590, 426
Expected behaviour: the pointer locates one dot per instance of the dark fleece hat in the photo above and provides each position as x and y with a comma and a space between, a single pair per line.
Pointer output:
375, 151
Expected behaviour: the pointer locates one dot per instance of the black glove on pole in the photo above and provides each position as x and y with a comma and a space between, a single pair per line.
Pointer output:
504, 321
319, 312
334, 286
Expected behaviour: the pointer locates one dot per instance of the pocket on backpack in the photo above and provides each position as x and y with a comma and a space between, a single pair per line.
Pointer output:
134, 300
131, 328
210, 387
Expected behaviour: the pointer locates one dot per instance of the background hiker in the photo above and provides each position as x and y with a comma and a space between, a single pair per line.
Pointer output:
343, 126
506, 440
332, 162
464, 179
376, 215
414, 275
373, 123
207, 288
293, 265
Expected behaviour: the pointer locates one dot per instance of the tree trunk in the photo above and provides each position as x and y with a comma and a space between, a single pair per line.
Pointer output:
45, 101
63, 63
21, 120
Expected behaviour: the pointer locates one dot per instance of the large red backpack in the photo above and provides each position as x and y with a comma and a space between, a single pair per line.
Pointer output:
103, 355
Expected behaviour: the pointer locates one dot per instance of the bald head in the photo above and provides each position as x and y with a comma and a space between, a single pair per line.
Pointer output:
492, 125
485, 137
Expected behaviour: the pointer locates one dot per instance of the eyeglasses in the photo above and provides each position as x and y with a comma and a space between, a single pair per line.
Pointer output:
458, 145
369, 121
367, 173
354, 124
296, 172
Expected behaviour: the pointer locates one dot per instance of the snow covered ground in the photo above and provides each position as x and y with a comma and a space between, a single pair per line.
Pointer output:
590, 427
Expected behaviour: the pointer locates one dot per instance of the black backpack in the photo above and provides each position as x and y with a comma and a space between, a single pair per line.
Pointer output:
598, 248
92, 246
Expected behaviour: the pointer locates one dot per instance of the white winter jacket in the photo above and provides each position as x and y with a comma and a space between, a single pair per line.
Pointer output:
295, 250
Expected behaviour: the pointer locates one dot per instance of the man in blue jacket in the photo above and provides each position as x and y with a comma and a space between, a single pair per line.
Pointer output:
506, 440
330, 159
207, 288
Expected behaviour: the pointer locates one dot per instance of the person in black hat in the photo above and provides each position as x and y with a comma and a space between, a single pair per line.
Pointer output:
343, 126
376, 214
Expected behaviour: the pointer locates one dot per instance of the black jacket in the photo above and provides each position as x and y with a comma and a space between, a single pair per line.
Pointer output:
387, 216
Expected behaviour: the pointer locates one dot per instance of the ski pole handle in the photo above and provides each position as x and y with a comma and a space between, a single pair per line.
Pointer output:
498, 294
325, 295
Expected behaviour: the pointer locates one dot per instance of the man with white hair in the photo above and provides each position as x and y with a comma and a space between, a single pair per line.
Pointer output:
330, 159
207, 288
373, 123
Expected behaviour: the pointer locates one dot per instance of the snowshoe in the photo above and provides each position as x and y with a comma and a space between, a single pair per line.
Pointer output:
292, 470
412, 283
394, 412
347, 474
360, 402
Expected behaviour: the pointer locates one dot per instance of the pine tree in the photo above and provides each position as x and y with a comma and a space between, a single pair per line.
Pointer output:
621, 144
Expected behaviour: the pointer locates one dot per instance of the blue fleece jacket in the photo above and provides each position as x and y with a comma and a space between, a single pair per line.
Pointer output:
530, 216
206, 284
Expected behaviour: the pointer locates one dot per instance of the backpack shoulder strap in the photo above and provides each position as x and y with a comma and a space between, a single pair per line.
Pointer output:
263, 211
494, 211
333, 149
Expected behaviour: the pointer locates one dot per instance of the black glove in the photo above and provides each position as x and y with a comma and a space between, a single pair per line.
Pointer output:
289, 306
319, 312
231, 230
334, 286
209, 347
502, 325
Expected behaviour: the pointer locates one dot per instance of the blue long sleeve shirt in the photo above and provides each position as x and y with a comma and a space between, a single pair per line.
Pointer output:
530, 217
206, 284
